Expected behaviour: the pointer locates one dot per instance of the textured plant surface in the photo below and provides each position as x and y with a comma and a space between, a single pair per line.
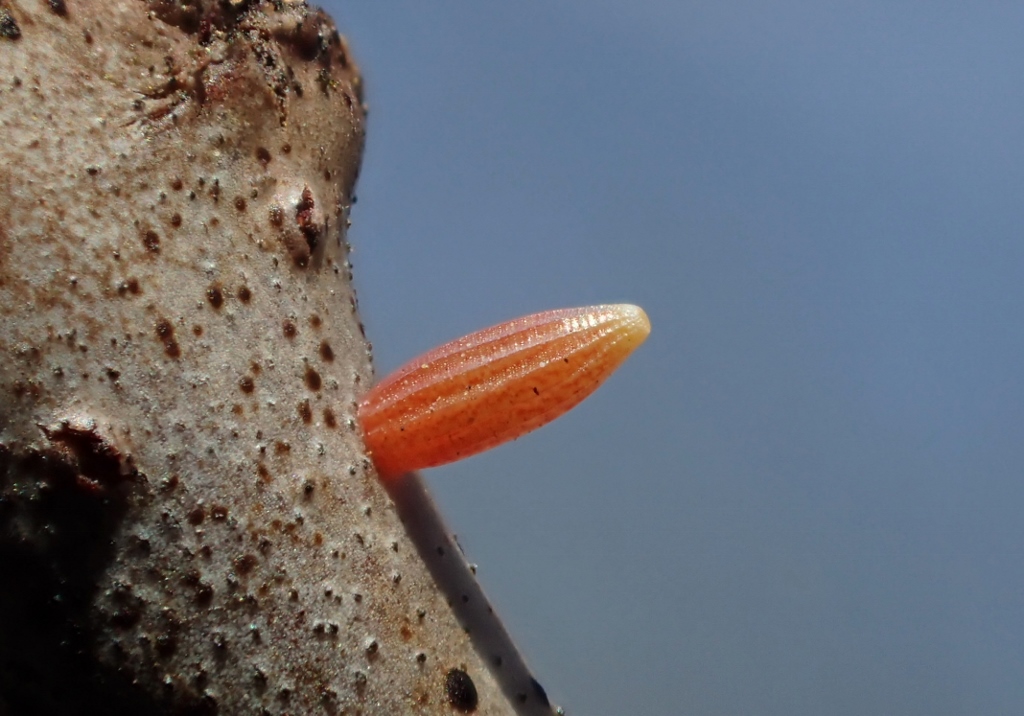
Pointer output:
187, 520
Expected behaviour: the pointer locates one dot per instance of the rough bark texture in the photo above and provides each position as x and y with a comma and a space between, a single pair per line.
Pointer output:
187, 520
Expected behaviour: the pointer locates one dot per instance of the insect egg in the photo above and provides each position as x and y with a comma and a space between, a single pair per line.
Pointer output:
494, 385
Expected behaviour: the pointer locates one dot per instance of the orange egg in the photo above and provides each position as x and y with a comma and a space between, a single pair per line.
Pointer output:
494, 385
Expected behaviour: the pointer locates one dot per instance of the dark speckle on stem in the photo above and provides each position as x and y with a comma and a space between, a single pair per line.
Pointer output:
313, 380
215, 296
8, 25
326, 352
461, 691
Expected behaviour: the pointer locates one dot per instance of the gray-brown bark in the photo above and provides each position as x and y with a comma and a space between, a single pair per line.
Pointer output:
187, 518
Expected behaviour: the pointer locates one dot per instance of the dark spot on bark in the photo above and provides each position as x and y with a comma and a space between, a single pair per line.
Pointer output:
113, 375
255, 368
177, 184
301, 239
196, 515
304, 217
329, 419
92, 170
58, 7
215, 296
307, 39
204, 594
176, 220
313, 381
461, 691
326, 352
8, 26
151, 240
197, 330
127, 607
244, 294
282, 447
165, 332
205, 32
246, 384
286, 148
245, 564
297, 247
165, 645
305, 412
240, 203
263, 472
130, 286
289, 329
315, 321
32, 389
263, 154
219, 512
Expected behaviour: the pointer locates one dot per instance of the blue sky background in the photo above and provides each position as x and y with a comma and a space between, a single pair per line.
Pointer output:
804, 494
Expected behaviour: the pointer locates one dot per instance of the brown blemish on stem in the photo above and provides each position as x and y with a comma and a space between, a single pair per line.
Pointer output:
8, 25
165, 332
312, 378
151, 241
215, 295
326, 352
